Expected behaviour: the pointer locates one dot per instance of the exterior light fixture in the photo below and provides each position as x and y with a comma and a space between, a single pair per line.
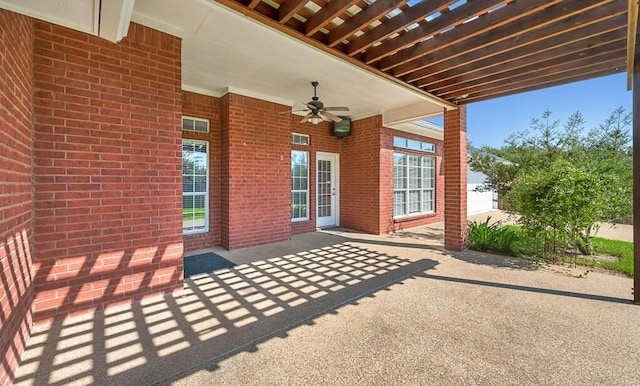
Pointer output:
315, 119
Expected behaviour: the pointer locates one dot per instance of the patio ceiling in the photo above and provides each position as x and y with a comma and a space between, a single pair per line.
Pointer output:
403, 59
461, 51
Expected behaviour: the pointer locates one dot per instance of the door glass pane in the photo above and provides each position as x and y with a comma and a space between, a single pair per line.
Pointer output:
324, 188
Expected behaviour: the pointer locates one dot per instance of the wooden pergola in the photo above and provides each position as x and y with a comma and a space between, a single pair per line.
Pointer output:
460, 50
465, 51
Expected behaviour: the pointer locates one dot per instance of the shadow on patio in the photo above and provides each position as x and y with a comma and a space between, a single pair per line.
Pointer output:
217, 315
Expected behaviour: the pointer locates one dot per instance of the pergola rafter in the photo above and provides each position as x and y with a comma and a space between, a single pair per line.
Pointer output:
453, 48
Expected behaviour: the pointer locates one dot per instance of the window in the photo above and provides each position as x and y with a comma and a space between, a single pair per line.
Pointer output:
299, 139
414, 145
195, 186
299, 185
195, 124
413, 184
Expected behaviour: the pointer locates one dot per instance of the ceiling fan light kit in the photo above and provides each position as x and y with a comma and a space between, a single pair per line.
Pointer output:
315, 119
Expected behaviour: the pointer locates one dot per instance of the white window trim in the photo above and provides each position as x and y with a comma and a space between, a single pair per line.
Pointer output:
422, 144
336, 174
303, 136
300, 219
433, 189
206, 194
199, 120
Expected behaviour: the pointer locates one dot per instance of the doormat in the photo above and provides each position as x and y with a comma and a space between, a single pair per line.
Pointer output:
205, 263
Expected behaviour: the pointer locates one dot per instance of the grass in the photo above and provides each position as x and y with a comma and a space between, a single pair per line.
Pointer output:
192, 214
622, 250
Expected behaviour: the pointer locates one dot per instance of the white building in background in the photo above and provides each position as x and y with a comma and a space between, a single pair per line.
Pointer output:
478, 202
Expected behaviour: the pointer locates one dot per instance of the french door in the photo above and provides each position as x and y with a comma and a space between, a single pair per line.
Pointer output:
327, 189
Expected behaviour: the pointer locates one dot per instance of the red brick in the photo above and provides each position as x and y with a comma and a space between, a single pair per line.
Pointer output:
455, 155
92, 153
258, 146
206, 107
16, 202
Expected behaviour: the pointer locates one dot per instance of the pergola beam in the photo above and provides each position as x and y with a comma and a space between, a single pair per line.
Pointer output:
413, 59
605, 69
426, 29
632, 27
541, 40
541, 65
289, 8
361, 20
326, 14
415, 14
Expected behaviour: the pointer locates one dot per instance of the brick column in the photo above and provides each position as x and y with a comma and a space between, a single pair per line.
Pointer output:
16, 192
455, 179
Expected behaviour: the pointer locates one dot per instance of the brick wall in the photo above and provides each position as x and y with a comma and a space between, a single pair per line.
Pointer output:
16, 271
108, 218
255, 172
455, 171
386, 180
361, 176
206, 107
367, 179
320, 139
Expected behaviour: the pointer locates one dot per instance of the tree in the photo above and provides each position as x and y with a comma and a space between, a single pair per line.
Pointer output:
562, 182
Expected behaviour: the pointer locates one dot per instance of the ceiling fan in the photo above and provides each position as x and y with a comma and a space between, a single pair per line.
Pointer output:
317, 111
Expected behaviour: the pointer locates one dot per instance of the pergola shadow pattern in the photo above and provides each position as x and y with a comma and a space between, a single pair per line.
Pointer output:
217, 315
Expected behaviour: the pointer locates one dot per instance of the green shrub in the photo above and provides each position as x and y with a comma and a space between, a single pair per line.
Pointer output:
487, 237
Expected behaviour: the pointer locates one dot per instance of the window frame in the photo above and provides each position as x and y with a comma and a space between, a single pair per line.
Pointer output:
194, 194
300, 136
196, 119
307, 191
414, 144
424, 189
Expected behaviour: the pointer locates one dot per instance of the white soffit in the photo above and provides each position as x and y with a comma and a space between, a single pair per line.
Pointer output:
224, 51
80, 15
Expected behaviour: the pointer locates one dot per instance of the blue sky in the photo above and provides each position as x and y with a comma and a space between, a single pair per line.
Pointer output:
490, 122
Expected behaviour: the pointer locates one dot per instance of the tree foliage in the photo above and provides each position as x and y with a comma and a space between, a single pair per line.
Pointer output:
561, 179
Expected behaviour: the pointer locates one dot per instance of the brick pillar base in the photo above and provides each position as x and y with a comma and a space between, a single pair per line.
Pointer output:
455, 179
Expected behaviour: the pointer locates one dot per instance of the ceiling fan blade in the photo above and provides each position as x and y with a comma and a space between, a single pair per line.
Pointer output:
331, 116
306, 118
341, 108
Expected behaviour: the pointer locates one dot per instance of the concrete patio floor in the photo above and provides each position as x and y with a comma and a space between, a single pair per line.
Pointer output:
341, 307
